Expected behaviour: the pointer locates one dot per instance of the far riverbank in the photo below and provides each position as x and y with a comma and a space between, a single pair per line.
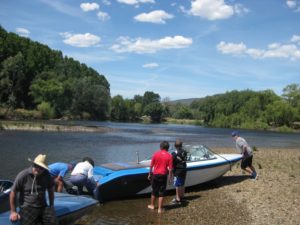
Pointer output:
71, 126
47, 126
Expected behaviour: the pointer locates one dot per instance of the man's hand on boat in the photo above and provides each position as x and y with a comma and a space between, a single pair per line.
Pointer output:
150, 176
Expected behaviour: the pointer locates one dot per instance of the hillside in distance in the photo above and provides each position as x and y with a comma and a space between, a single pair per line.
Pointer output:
186, 101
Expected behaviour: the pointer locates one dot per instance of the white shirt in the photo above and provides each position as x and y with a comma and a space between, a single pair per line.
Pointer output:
243, 147
84, 168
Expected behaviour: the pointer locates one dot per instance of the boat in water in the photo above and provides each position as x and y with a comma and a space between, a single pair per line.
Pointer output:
68, 208
122, 180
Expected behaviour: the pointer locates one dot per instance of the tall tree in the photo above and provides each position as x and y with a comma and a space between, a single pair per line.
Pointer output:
11, 80
292, 94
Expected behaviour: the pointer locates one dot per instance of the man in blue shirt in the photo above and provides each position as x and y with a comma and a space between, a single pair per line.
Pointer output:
58, 170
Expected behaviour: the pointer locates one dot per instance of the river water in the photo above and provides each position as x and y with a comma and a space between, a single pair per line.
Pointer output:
121, 144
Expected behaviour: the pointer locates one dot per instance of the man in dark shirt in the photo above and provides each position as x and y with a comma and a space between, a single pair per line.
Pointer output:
32, 184
179, 170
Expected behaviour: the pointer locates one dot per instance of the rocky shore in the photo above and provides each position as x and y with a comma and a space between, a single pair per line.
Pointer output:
274, 198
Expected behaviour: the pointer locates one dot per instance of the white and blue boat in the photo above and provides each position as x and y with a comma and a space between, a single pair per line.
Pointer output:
68, 208
122, 180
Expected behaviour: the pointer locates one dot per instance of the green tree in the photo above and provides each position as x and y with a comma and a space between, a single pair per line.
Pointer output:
118, 108
154, 110
292, 94
150, 97
11, 79
280, 113
91, 98
183, 113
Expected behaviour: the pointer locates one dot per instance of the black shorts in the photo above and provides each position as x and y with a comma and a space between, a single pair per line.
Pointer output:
33, 216
246, 162
159, 185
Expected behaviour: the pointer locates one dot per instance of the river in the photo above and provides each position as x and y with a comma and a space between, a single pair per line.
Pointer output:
121, 144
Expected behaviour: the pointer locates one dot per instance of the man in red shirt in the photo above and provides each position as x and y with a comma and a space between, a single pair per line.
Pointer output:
161, 165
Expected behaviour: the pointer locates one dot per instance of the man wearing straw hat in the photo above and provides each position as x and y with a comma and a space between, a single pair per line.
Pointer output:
32, 184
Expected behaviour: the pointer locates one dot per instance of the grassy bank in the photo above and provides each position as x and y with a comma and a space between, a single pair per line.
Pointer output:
45, 126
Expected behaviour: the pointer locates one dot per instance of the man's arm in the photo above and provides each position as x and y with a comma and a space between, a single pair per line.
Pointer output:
170, 168
151, 167
14, 216
150, 173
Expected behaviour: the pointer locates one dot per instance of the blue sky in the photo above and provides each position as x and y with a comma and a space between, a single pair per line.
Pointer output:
176, 48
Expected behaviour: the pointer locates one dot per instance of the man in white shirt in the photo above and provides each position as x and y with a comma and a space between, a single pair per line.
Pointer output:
82, 176
246, 151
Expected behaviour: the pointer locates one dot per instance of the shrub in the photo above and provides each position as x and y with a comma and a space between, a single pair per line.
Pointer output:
46, 110
25, 114
285, 129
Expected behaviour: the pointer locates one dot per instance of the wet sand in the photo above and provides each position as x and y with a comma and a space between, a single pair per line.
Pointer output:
274, 198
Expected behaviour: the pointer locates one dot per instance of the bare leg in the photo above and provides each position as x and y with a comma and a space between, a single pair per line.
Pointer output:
60, 186
160, 204
252, 168
181, 192
178, 193
152, 204
248, 171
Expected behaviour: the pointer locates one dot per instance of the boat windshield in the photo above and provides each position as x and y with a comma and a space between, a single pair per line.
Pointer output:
5, 186
198, 153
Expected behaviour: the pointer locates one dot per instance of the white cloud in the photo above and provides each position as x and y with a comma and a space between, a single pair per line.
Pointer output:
89, 6
296, 39
211, 9
140, 45
135, 2
273, 50
23, 32
150, 65
291, 3
231, 48
103, 16
81, 40
59, 6
157, 16
106, 2
239, 9
214, 9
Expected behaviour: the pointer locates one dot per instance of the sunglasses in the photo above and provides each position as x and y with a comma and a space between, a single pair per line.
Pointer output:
38, 167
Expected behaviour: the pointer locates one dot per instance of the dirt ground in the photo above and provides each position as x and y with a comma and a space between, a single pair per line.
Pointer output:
274, 198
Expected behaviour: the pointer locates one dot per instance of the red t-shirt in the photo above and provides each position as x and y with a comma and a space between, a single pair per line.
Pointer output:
162, 162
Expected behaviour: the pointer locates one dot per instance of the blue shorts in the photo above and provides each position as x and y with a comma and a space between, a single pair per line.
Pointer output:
179, 181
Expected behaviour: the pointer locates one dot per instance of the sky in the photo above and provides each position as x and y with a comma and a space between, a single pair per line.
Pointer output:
178, 49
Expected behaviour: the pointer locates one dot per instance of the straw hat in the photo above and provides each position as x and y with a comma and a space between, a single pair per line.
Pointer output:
40, 160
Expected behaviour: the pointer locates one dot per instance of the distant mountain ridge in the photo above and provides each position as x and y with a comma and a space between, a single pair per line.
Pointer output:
186, 101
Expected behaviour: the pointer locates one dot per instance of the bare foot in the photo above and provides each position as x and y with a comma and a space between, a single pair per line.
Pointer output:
151, 207
160, 210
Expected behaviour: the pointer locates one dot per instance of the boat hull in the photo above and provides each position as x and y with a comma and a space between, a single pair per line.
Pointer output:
125, 183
